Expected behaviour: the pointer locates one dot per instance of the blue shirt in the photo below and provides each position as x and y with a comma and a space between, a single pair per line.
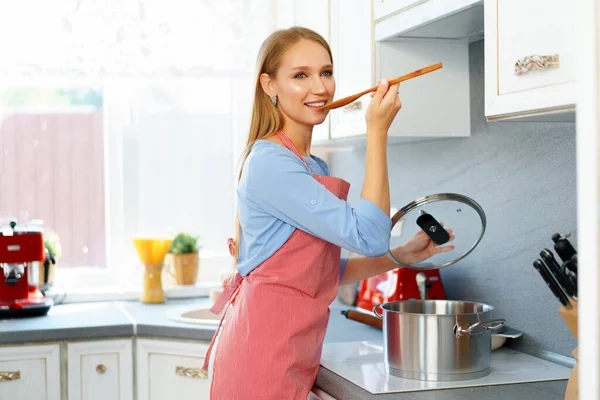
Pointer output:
277, 194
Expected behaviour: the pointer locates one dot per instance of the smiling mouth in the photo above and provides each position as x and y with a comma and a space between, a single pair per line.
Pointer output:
316, 104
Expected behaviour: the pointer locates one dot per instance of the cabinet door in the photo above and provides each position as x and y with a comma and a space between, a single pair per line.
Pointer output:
539, 36
352, 44
168, 370
312, 14
99, 370
30, 372
383, 8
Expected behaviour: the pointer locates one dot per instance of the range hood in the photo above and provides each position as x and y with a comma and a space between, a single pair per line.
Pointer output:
456, 20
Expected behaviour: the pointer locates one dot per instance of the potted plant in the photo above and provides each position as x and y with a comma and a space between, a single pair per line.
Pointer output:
183, 259
53, 252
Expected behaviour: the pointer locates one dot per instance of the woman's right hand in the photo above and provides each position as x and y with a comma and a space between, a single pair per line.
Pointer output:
383, 108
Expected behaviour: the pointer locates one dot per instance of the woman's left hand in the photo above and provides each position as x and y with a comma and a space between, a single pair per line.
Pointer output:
420, 247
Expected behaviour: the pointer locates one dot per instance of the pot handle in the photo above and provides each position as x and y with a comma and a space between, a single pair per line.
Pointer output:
490, 325
377, 314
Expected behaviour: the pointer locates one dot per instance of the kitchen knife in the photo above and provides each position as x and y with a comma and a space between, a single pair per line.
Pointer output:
563, 247
551, 282
571, 276
569, 268
556, 271
574, 264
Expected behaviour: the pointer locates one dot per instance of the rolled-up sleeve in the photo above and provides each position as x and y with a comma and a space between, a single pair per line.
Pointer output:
281, 184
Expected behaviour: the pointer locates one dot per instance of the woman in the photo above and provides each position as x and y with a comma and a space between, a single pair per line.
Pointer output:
293, 221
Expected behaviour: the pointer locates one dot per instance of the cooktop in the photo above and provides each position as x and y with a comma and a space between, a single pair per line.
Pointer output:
362, 364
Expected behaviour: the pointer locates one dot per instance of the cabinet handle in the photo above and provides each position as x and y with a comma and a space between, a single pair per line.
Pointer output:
530, 63
191, 372
101, 368
10, 376
357, 105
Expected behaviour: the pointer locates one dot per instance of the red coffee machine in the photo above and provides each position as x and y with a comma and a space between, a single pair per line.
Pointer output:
399, 284
21, 251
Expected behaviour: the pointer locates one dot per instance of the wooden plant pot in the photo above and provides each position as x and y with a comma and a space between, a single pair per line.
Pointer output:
183, 268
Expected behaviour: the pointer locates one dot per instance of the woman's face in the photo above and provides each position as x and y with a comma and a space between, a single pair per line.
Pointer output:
305, 82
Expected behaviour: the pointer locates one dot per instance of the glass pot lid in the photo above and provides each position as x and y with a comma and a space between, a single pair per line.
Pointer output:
463, 215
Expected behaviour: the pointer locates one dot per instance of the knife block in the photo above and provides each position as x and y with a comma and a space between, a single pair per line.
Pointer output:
570, 315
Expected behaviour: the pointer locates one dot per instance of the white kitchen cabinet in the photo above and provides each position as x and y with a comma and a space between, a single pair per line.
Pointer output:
30, 372
99, 370
171, 369
312, 14
530, 59
442, 19
413, 35
384, 8
436, 104
352, 47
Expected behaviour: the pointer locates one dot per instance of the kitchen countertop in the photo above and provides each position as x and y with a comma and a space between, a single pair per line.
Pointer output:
84, 321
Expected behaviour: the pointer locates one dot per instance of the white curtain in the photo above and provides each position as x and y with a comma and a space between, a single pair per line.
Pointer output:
131, 37
177, 78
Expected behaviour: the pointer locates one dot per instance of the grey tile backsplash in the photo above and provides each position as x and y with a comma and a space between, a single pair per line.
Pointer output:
523, 175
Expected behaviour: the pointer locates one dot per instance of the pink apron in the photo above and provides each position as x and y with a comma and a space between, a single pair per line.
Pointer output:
270, 346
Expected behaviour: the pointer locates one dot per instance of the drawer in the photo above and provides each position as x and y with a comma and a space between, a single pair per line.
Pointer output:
169, 369
30, 372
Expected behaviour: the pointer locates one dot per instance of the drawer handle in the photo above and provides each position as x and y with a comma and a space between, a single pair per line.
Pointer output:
357, 105
530, 63
191, 372
10, 376
101, 368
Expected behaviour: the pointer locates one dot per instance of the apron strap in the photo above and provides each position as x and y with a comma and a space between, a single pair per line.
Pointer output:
232, 285
292, 147
222, 304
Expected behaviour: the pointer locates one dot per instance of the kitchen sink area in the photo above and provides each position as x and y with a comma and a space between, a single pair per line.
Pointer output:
196, 315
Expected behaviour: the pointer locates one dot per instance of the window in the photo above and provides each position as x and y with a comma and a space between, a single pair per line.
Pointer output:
126, 117
52, 167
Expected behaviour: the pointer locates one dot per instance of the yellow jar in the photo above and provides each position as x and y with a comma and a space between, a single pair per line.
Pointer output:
153, 289
151, 252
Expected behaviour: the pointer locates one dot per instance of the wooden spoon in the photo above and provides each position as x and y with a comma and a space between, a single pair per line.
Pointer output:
347, 100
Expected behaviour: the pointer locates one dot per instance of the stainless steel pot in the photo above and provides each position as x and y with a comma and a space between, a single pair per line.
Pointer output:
437, 340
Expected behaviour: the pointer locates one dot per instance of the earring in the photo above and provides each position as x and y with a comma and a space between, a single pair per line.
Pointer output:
273, 98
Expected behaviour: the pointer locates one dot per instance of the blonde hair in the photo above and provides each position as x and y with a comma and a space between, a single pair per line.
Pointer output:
266, 117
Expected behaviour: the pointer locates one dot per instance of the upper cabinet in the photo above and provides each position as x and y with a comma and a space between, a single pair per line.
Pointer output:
432, 19
410, 35
530, 60
382, 8
353, 55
